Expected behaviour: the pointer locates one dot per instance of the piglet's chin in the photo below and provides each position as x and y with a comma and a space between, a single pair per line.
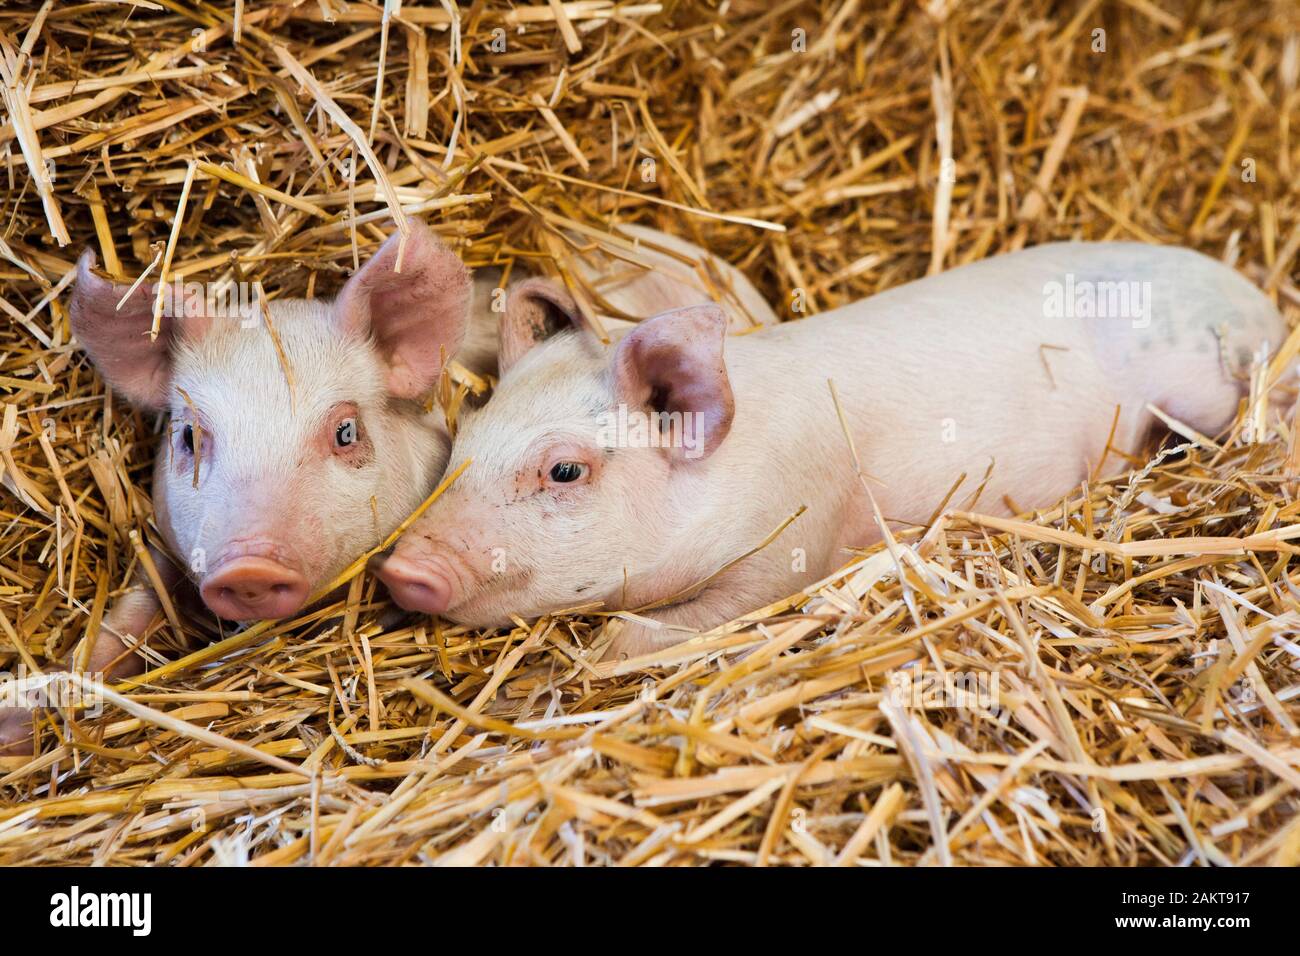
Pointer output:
423, 584
251, 588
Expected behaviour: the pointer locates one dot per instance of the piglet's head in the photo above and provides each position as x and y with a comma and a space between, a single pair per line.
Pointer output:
585, 463
295, 440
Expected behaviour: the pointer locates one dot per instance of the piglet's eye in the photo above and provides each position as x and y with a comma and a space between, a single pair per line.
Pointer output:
187, 438
346, 433
564, 472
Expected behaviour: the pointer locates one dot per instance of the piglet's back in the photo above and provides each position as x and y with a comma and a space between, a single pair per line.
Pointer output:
1125, 322
1015, 363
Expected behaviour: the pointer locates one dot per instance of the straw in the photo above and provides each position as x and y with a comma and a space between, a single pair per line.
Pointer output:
1130, 649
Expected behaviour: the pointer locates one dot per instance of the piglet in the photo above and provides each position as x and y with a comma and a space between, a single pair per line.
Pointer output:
295, 441
629, 474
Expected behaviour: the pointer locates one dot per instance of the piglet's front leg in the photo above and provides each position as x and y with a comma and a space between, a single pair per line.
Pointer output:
15, 731
711, 608
108, 659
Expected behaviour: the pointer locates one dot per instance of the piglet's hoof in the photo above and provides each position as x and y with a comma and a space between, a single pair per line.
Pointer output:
636, 640
15, 731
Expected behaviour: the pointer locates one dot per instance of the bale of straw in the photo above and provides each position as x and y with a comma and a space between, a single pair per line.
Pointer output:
1131, 675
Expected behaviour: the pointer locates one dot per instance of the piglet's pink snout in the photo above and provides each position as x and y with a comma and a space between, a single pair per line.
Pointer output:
421, 584
253, 587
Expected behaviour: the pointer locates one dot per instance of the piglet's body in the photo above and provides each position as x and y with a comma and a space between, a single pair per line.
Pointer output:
996, 364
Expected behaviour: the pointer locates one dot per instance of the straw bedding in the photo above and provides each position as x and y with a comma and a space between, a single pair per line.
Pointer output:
1139, 636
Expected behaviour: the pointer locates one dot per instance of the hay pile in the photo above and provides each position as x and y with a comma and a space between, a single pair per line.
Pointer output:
1146, 673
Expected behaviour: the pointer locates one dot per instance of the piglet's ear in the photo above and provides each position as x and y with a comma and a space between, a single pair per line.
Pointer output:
536, 309
672, 364
117, 338
415, 316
